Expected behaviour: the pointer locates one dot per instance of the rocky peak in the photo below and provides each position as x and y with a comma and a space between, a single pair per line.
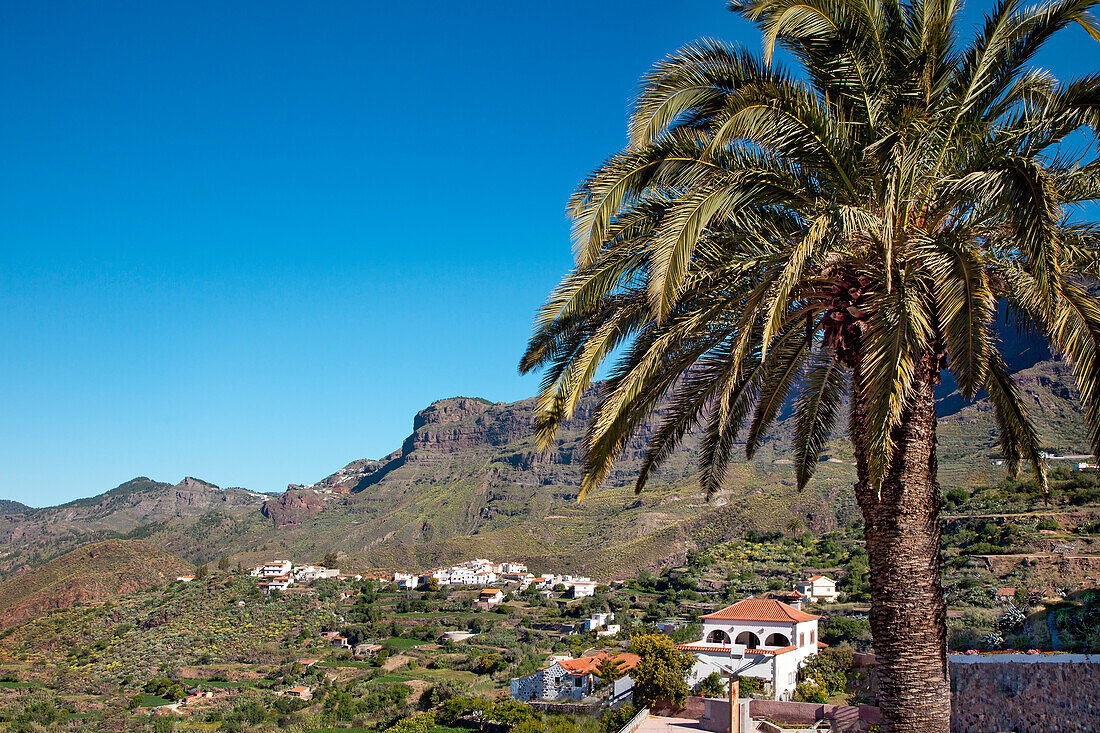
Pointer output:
190, 483
449, 411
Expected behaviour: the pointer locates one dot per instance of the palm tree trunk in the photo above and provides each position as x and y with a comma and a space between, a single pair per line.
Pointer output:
902, 530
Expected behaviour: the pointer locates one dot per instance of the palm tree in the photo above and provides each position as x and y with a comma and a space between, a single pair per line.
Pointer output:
843, 233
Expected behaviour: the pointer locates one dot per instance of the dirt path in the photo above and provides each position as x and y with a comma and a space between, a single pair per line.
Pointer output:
396, 661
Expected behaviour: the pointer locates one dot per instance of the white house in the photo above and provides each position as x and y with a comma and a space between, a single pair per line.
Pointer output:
598, 620
275, 567
817, 588
405, 581
485, 577
277, 582
513, 567
310, 573
584, 588
756, 637
572, 679
488, 598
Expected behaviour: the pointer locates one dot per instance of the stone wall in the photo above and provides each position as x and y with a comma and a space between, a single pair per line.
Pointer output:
1047, 693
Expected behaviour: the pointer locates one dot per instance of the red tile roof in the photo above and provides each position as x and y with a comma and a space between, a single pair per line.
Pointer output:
584, 665
781, 650
818, 577
761, 609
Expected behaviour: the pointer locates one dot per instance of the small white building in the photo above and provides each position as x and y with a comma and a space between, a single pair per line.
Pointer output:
405, 581
573, 679
185, 578
277, 582
817, 588
598, 620
756, 637
275, 567
488, 598
310, 573
583, 588
513, 567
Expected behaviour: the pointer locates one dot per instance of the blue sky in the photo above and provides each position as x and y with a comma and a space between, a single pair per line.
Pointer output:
247, 242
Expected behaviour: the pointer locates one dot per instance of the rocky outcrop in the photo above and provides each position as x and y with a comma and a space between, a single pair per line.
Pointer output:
292, 507
346, 480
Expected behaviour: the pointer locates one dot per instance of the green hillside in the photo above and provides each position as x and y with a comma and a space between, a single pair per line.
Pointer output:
94, 572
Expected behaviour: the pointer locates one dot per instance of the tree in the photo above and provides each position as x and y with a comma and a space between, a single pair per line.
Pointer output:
223, 564
330, 560
839, 239
201, 572
712, 685
661, 673
609, 669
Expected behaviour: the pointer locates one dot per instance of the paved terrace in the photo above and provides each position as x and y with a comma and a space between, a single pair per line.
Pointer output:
657, 724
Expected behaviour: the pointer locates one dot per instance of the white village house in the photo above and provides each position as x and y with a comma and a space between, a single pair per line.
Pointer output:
573, 679
756, 637
817, 588
488, 598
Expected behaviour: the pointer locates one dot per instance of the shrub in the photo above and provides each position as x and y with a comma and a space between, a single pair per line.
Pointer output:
1048, 522
419, 723
712, 685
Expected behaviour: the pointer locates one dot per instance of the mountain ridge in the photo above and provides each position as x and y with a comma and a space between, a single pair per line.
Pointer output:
469, 478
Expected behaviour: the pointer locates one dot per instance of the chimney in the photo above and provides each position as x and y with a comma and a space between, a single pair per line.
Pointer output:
797, 605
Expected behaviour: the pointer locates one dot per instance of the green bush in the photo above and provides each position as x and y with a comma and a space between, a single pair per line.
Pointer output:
419, 723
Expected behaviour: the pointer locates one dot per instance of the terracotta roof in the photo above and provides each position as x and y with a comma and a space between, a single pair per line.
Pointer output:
704, 647
761, 609
781, 650
1006, 591
584, 665
298, 690
489, 593
819, 577
728, 649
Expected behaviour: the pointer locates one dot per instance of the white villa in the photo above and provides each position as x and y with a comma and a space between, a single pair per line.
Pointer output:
817, 588
755, 637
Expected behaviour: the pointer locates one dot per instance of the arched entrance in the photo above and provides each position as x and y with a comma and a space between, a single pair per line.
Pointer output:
748, 639
718, 637
777, 640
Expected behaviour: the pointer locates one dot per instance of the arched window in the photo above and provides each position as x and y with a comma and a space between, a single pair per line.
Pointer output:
718, 637
748, 639
777, 640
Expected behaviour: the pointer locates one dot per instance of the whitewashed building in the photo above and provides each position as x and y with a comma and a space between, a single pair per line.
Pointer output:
817, 588
756, 637
572, 679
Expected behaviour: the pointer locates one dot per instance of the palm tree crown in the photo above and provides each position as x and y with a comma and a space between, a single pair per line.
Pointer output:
763, 234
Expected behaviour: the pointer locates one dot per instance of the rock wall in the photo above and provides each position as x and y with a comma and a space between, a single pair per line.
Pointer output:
1026, 694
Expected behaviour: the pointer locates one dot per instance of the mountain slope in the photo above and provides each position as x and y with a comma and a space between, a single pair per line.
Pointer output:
37, 535
469, 480
91, 573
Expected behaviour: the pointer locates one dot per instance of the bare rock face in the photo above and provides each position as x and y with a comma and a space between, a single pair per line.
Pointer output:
346, 480
292, 507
